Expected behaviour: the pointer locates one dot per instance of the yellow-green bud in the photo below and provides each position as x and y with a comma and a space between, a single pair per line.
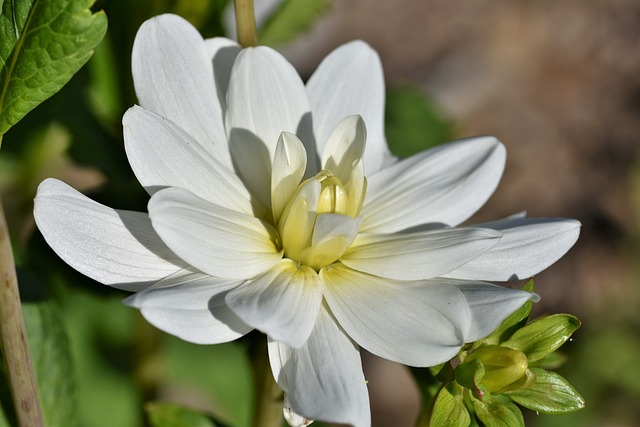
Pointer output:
503, 367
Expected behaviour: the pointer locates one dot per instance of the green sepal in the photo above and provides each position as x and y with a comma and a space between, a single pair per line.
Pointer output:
161, 414
443, 372
543, 336
550, 394
42, 45
514, 321
449, 409
469, 375
498, 413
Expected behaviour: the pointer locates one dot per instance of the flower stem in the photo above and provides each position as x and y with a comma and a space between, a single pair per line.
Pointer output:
267, 411
14, 338
245, 23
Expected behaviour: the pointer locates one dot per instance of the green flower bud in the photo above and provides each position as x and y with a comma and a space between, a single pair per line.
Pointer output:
504, 368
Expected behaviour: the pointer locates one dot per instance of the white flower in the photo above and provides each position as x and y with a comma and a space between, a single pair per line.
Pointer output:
261, 217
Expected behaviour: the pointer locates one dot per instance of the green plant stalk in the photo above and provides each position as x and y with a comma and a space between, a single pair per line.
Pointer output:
267, 410
246, 23
13, 338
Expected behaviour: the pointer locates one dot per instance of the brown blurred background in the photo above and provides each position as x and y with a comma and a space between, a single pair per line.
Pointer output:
559, 83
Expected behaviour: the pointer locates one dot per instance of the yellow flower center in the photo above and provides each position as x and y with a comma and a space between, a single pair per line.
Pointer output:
320, 222
333, 196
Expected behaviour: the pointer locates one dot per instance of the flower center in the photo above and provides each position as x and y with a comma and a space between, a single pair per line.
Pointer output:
320, 220
333, 196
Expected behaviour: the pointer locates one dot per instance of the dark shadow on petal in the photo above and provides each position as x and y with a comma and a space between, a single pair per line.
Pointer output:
512, 222
221, 312
139, 225
252, 163
306, 135
424, 227
153, 189
222, 63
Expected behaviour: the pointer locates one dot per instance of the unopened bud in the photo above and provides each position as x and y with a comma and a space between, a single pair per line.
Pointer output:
503, 366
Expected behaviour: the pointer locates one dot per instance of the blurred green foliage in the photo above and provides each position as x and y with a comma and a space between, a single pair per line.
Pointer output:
413, 122
292, 18
168, 415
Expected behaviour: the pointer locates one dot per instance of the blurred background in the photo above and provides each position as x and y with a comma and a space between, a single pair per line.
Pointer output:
558, 82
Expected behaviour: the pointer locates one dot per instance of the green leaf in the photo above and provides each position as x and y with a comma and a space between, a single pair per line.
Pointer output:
550, 394
498, 413
43, 43
293, 18
51, 359
514, 321
449, 409
169, 415
543, 336
413, 123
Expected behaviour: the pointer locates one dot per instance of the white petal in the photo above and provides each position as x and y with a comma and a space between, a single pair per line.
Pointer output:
223, 53
299, 217
444, 185
490, 305
117, 248
423, 255
266, 97
356, 188
330, 226
191, 305
215, 240
350, 81
162, 155
323, 379
283, 302
332, 235
289, 164
173, 77
419, 323
345, 146
528, 246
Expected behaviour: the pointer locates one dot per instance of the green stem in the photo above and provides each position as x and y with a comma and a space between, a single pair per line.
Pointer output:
267, 410
246, 23
14, 338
